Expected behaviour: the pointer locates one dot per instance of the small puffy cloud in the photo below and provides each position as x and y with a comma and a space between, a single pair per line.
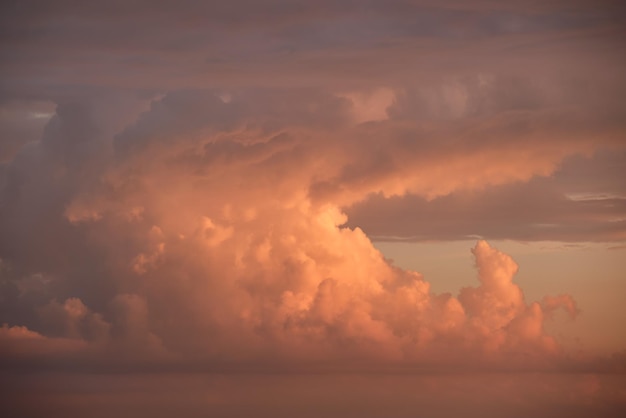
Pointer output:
73, 319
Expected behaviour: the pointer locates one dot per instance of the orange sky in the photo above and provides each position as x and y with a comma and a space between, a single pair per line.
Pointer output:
288, 196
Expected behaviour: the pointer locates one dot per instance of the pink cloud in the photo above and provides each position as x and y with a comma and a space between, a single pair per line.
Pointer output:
188, 204
212, 231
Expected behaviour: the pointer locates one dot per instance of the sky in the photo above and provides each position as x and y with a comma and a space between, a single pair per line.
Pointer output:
278, 208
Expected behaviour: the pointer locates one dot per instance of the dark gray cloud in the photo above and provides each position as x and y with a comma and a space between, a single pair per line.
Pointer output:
53, 50
558, 208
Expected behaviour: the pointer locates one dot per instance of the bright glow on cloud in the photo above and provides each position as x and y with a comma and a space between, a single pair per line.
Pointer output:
210, 238
193, 188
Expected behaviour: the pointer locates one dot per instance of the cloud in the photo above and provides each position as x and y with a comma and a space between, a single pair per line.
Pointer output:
191, 189
21, 122
187, 238
388, 318
279, 44
540, 209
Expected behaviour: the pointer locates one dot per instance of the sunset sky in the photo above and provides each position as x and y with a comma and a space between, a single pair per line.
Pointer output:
289, 208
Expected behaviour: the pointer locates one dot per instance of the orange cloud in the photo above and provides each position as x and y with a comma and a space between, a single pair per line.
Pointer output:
211, 231
188, 204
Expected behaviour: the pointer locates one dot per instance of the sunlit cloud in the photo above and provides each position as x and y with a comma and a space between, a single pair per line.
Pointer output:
213, 237
202, 188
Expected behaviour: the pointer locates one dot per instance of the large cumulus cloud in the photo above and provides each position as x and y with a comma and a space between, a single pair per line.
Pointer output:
186, 202
204, 229
195, 186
